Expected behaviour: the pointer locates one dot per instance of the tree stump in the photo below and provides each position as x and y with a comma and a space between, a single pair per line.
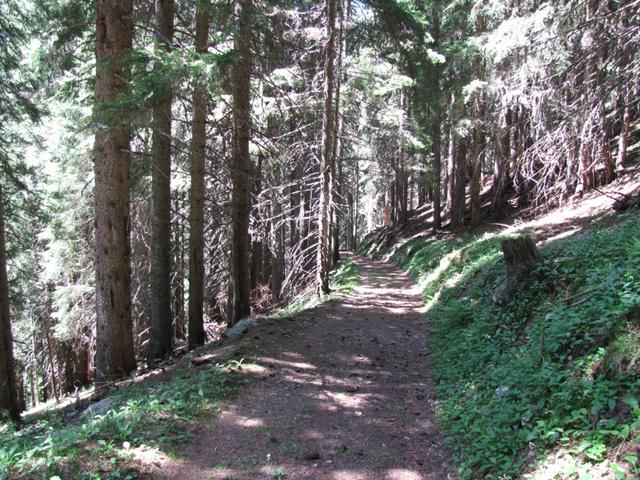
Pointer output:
521, 257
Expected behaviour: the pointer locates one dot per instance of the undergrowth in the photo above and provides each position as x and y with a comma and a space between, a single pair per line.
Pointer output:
344, 278
159, 416
554, 370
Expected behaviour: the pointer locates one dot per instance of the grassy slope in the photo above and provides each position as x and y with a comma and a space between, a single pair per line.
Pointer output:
548, 383
158, 417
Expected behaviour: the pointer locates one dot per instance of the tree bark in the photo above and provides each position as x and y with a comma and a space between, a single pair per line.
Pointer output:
338, 145
479, 136
241, 194
177, 279
437, 171
9, 404
197, 335
327, 160
476, 170
356, 209
141, 239
160, 343
256, 244
451, 156
51, 347
114, 339
81, 364
277, 249
501, 166
295, 196
623, 140
458, 200
388, 210
436, 127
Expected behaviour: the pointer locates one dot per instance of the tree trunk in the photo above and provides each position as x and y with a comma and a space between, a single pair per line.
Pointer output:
266, 254
160, 342
458, 199
451, 168
338, 214
500, 172
338, 144
177, 279
476, 170
350, 220
277, 249
524, 143
241, 194
81, 364
51, 347
479, 140
388, 210
437, 171
294, 195
356, 209
196, 193
256, 244
34, 385
114, 338
9, 404
34, 379
436, 127
588, 144
327, 160
141, 239
623, 140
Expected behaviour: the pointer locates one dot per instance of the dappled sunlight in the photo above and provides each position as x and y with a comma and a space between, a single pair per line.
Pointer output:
253, 369
391, 474
379, 291
233, 418
564, 464
249, 422
287, 364
403, 474
145, 455
348, 400
296, 355
353, 359
348, 475
442, 267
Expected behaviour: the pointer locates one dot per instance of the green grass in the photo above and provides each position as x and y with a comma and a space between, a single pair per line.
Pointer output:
160, 416
279, 473
556, 368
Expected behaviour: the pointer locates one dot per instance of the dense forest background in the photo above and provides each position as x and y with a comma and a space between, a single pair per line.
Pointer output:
175, 166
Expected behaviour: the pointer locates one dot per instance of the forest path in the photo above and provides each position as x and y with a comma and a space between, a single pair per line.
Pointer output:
342, 392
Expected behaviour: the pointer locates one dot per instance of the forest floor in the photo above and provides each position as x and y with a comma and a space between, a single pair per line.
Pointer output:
340, 391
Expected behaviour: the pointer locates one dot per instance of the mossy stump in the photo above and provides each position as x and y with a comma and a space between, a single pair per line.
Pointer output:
521, 256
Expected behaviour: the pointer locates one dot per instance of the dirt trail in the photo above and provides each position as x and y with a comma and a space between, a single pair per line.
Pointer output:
340, 393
